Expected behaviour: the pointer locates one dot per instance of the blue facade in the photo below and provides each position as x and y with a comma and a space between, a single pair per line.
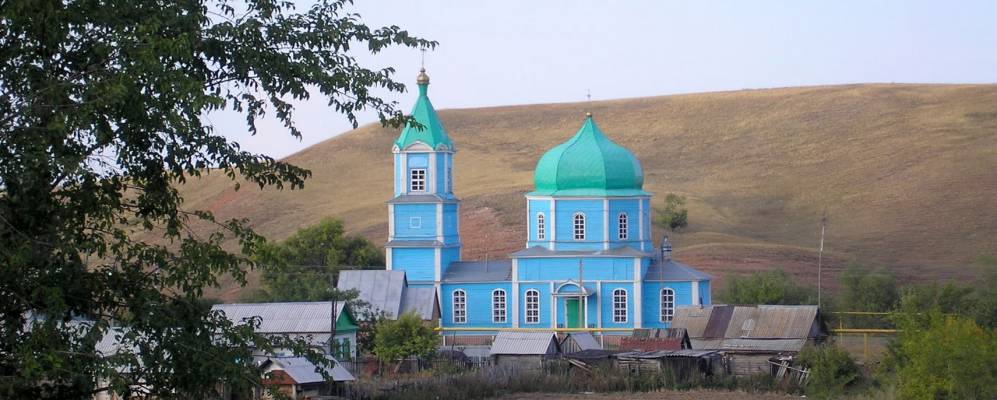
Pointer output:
588, 263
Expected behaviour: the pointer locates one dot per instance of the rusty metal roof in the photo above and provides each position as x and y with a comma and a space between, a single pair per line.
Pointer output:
749, 328
693, 318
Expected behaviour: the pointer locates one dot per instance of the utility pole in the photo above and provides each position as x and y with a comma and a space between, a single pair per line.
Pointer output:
820, 255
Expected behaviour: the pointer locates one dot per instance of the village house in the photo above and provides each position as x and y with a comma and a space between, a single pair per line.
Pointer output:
752, 338
388, 294
524, 351
298, 378
307, 320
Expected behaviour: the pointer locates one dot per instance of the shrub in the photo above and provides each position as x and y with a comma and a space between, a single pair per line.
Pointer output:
832, 370
945, 357
767, 287
405, 337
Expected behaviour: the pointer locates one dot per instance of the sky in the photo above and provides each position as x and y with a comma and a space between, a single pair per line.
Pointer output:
512, 52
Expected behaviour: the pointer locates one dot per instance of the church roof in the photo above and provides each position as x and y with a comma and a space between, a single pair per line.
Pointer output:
479, 271
431, 132
674, 271
588, 164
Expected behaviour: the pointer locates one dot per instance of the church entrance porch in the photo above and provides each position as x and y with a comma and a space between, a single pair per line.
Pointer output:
571, 299
574, 312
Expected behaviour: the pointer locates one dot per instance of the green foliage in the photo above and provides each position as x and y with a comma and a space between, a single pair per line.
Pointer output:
102, 117
304, 266
405, 337
832, 370
941, 356
767, 287
673, 216
864, 289
978, 303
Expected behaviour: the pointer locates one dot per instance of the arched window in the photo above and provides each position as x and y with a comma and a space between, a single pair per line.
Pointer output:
623, 226
498, 306
620, 306
578, 221
667, 304
459, 307
532, 306
541, 227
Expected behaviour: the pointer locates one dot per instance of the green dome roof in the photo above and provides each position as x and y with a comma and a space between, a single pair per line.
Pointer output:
589, 164
431, 131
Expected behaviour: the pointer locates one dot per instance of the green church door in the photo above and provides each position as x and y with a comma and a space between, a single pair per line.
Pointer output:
573, 313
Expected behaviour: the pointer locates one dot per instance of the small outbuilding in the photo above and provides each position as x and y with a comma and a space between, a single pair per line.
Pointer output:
298, 378
683, 365
524, 350
579, 341
657, 339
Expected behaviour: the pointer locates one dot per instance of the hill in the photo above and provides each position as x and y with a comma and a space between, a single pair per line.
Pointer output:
907, 175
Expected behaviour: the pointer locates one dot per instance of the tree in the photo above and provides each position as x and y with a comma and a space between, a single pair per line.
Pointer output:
303, 267
405, 337
673, 216
943, 356
767, 287
863, 289
102, 107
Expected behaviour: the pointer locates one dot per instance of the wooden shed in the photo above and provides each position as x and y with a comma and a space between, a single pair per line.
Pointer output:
524, 350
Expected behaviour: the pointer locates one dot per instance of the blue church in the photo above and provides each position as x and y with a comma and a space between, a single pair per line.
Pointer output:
589, 260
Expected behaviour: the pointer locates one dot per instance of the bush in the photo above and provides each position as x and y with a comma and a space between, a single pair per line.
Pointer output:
942, 356
405, 337
832, 370
767, 287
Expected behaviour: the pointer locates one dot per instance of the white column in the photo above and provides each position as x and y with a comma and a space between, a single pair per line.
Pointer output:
553, 223
605, 224
432, 175
404, 163
640, 222
585, 308
391, 222
695, 293
514, 299
439, 222
638, 285
447, 179
553, 307
387, 258
598, 304
437, 270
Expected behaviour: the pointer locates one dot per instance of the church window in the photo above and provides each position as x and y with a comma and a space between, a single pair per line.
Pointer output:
578, 221
620, 306
667, 304
541, 227
459, 307
532, 306
498, 306
418, 180
623, 226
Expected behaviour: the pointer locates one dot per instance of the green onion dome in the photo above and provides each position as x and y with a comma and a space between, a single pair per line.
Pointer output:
589, 164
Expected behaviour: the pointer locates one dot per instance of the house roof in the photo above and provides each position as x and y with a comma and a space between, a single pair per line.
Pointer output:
479, 271
388, 291
674, 271
540, 251
749, 328
656, 339
296, 317
303, 371
583, 341
524, 343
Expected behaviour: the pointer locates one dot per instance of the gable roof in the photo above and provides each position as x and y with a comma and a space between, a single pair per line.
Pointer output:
754, 328
290, 317
524, 343
673, 271
479, 271
580, 341
389, 292
303, 371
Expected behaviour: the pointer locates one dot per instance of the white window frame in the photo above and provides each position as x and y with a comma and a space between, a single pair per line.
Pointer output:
620, 314
623, 221
532, 306
578, 226
417, 183
541, 227
499, 306
459, 311
667, 304
415, 222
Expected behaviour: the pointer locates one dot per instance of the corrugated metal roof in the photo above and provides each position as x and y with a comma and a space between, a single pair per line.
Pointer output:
382, 289
303, 371
674, 271
622, 251
693, 318
763, 345
301, 317
479, 271
582, 341
771, 322
773, 328
524, 343
421, 300
719, 321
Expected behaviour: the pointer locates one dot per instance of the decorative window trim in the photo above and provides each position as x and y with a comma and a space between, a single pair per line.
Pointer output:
541, 227
499, 306
620, 315
415, 222
623, 225
459, 312
578, 226
417, 180
667, 304
532, 307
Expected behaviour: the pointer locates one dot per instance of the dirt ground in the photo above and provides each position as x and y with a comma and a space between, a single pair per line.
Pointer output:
669, 395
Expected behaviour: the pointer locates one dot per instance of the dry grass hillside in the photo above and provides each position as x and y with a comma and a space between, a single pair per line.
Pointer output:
907, 174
